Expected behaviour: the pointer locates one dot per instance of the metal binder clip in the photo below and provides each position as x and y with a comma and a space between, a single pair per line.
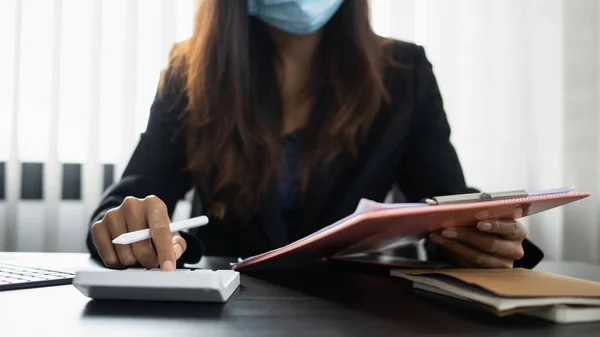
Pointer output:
474, 197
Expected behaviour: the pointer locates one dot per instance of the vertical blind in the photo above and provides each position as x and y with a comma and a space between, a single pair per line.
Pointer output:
76, 84
520, 81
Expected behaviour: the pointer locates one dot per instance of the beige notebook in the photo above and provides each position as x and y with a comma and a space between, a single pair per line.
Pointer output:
517, 282
508, 291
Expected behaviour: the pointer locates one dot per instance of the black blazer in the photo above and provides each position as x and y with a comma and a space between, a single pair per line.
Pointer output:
408, 147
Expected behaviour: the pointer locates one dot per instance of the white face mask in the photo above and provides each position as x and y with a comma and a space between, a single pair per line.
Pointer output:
300, 17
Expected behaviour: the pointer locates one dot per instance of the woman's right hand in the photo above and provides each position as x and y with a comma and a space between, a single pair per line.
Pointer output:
134, 214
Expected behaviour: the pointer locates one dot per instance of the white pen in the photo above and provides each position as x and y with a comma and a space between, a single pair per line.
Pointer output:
144, 234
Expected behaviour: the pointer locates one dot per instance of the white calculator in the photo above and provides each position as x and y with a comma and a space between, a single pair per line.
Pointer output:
189, 285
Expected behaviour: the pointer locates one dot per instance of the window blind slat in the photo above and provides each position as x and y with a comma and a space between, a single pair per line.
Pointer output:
52, 172
7, 40
129, 135
92, 173
13, 168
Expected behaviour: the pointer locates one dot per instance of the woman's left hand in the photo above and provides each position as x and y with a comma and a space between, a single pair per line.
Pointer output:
489, 244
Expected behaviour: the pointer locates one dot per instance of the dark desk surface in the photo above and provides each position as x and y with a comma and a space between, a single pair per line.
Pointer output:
323, 303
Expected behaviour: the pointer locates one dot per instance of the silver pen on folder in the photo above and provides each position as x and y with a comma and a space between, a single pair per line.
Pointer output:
473, 197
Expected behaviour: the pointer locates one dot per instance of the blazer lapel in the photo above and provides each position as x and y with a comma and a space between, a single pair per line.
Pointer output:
323, 179
271, 221
323, 183
376, 151
319, 191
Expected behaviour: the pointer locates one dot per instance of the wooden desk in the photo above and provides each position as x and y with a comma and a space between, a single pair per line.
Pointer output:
320, 304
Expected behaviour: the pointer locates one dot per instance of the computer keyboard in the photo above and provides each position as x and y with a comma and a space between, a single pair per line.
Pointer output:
21, 277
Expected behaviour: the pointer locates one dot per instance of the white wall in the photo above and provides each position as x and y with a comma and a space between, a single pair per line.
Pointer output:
582, 124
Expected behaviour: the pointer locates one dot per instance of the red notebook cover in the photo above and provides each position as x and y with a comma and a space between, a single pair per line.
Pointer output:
367, 228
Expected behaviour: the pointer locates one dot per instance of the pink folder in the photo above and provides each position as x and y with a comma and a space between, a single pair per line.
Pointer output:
374, 225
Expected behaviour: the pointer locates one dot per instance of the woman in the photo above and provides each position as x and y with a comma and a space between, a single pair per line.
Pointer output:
282, 115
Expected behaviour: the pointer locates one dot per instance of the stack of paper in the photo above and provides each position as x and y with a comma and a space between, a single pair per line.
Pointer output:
548, 296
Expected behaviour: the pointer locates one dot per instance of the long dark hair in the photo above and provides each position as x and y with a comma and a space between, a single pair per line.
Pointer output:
233, 115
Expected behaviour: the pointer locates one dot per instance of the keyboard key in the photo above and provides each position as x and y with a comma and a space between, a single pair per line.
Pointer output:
13, 281
29, 278
51, 277
31, 274
11, 268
